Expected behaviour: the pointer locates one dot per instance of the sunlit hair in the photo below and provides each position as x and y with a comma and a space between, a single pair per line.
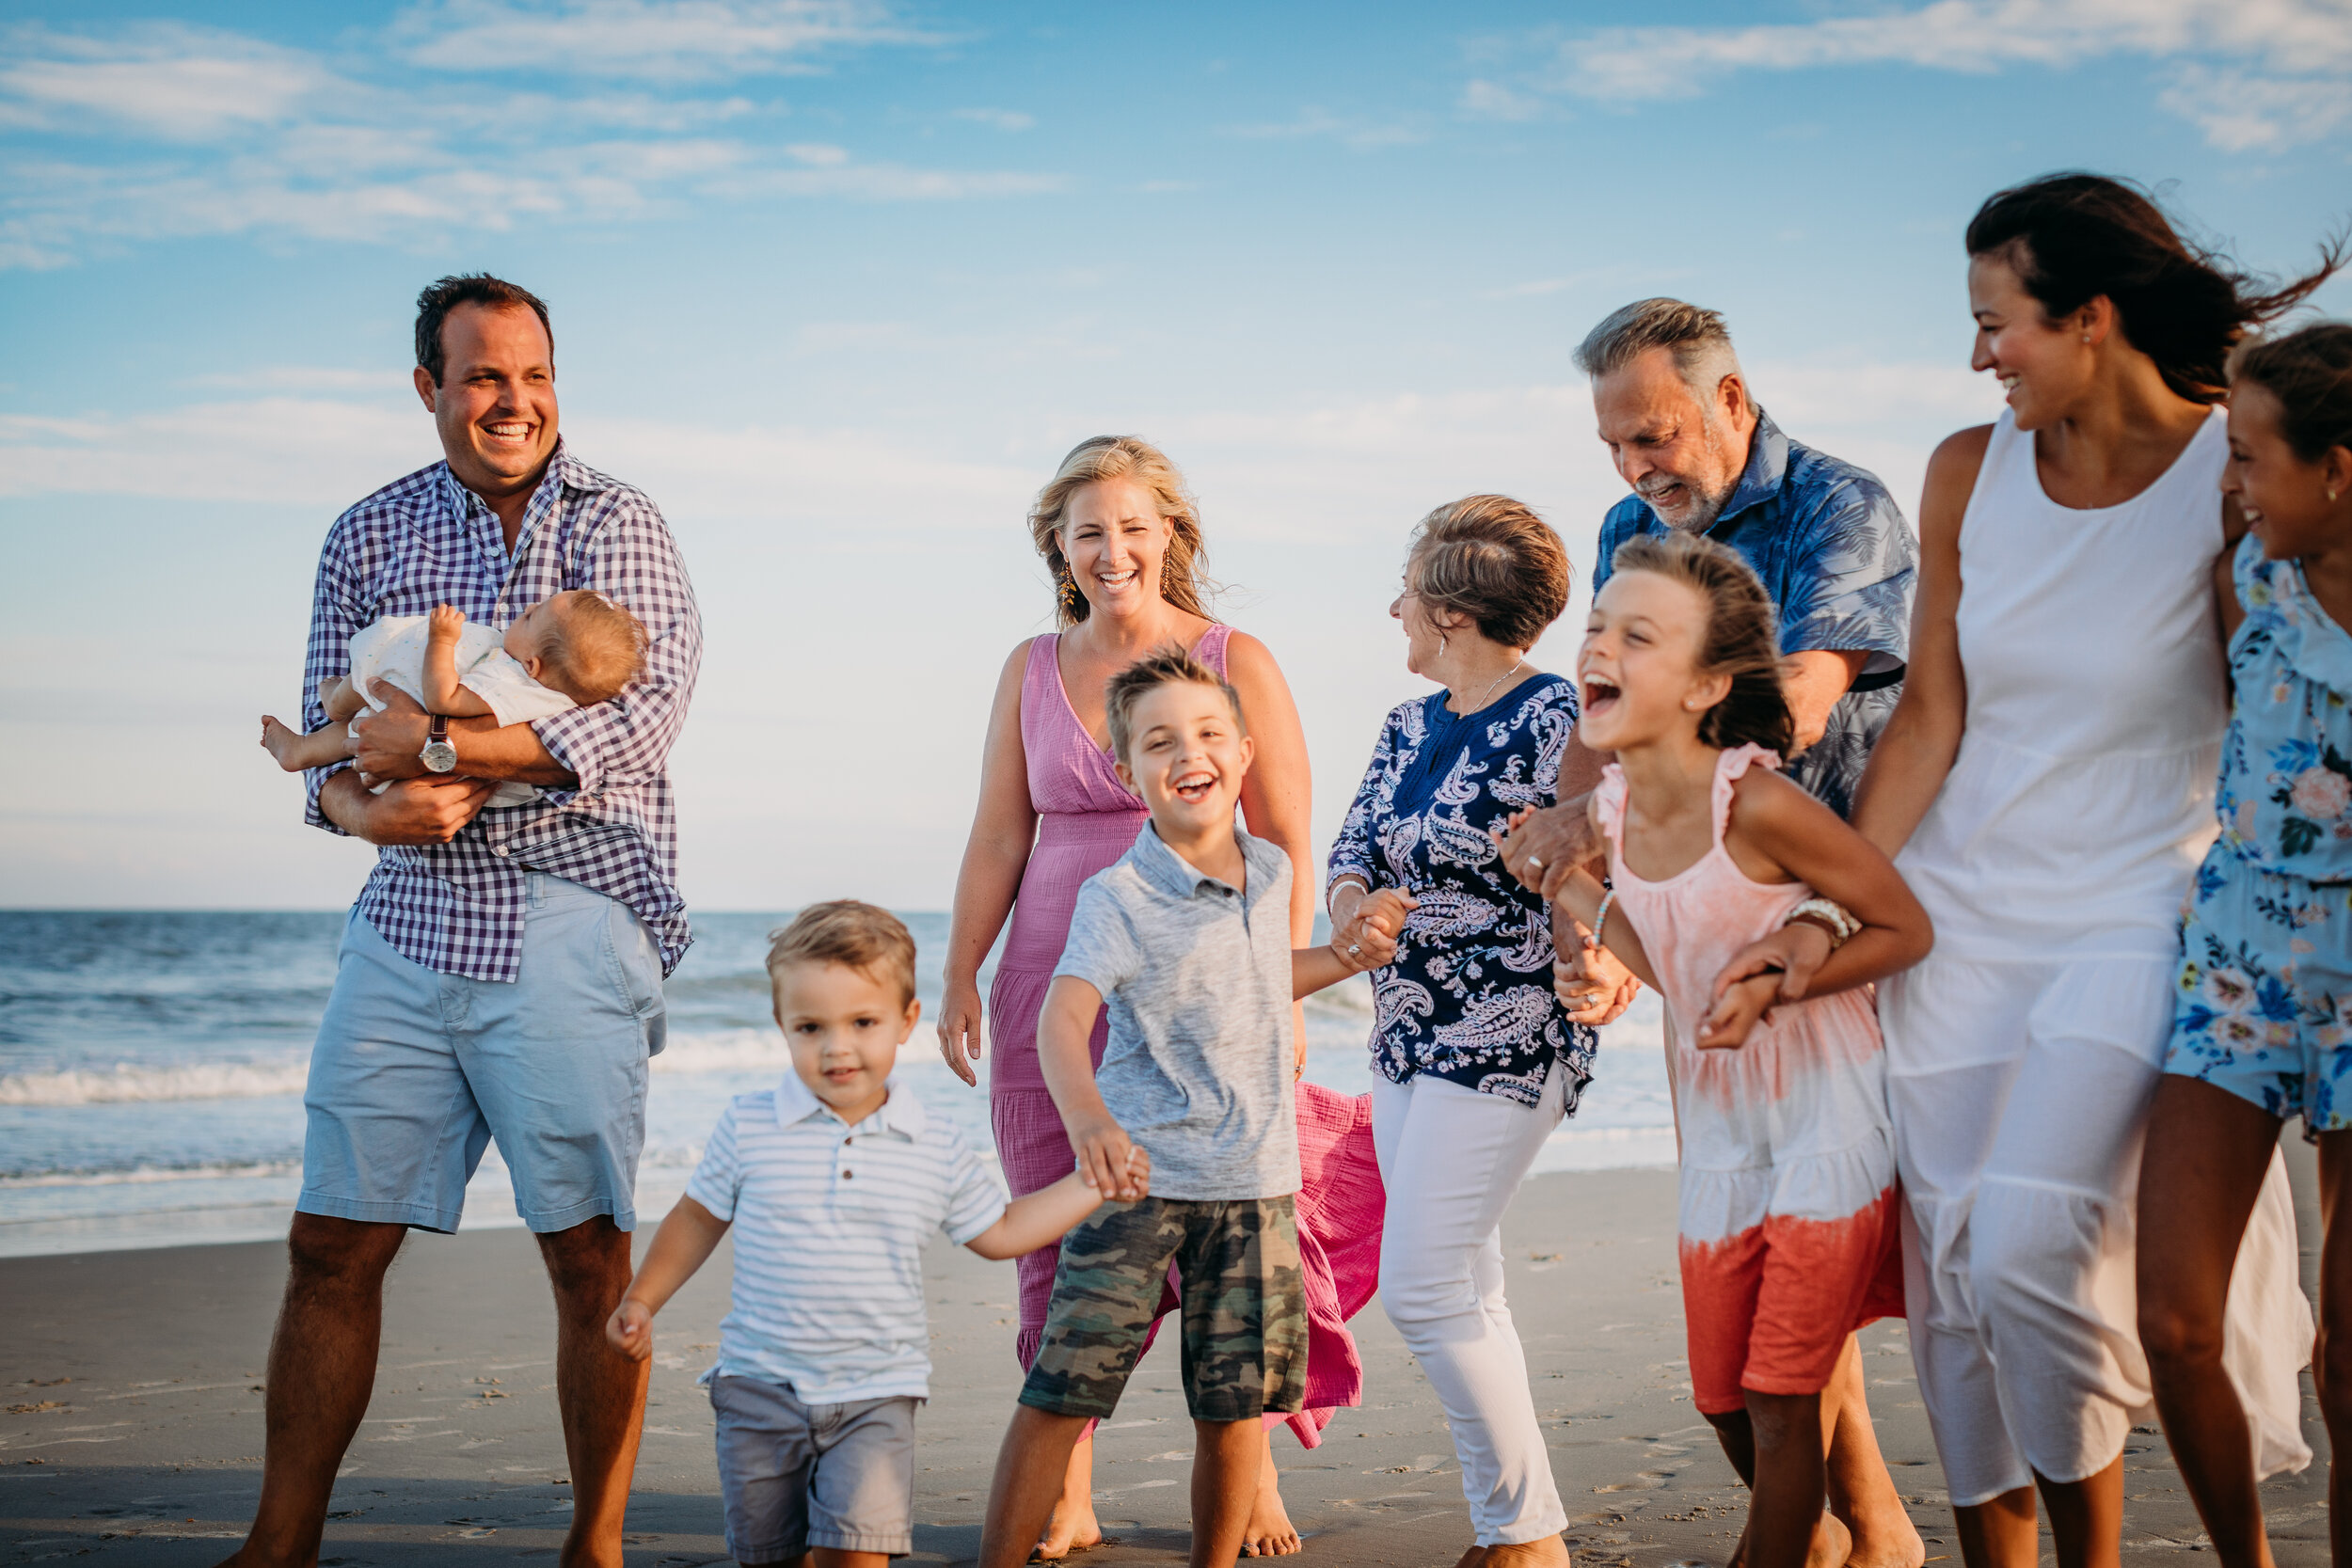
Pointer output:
445, 295
593, 647
1490, 561
871, 940
1698, 339
2310, 372
1741, 639
1130, 457
2074, 238
1165, 668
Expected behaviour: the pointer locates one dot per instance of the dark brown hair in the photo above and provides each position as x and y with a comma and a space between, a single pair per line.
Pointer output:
871, 940
1131, 457
1490, 561
2310, 372
1741, 639
445, 295
592, 649
1149, 674
2074, 238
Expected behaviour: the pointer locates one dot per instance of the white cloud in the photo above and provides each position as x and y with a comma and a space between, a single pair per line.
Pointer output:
1363, 135
1493, 100
653, 39
178, 82
1002, 119
2289, 76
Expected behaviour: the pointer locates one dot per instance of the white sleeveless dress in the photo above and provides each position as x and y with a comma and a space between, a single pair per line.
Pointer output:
2022, 1053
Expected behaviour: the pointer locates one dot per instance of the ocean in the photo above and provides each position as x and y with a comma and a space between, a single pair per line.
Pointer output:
151, 1066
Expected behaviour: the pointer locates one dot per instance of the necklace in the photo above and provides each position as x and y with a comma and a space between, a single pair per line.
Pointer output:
1497, 681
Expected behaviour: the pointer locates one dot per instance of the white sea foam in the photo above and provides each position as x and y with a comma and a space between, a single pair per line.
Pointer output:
225, 1170
125, 1082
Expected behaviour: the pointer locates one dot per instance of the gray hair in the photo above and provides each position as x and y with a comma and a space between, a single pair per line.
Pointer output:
1695, 335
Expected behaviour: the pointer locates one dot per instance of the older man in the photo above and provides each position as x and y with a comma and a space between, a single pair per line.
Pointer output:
1838, 558
500, 974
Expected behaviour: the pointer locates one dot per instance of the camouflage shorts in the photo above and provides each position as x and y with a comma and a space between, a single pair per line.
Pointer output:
1245, 1309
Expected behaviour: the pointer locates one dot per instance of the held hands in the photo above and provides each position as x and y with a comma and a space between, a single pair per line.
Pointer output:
1590, 982
1369, 939
1738, 1008
1111, 1162
630, 1329
1542, 848
1796, 953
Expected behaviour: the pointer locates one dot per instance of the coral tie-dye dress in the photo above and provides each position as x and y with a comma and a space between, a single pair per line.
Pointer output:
1789, 1203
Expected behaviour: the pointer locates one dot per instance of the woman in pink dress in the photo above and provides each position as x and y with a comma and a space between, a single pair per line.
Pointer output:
1122, 538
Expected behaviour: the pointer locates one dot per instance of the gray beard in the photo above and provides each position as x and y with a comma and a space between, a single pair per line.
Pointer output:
1700, 516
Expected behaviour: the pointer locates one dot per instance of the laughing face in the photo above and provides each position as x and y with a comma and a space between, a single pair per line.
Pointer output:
2284, 499
1638, 676
495, 405
844, 1026
1115, 540
1680, 450
2042, 366
1186, 757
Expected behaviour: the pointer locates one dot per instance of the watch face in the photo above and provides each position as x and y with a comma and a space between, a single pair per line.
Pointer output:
438, 756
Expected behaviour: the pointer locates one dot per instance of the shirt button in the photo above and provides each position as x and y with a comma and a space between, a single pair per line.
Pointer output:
498, 850
847, 1174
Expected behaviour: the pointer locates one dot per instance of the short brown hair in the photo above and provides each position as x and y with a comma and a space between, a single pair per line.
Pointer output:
2310, 372
1165, 668
592, 649
1739, 639
1490, 561
863, 937
444, 295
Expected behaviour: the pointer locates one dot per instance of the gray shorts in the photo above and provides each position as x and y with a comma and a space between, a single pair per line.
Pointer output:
795, 1476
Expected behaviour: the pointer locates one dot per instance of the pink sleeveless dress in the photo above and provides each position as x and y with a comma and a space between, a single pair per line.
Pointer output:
1789, 1215
1086, 819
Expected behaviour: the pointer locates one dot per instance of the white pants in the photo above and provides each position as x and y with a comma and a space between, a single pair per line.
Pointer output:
2019, 1094
1452, 1157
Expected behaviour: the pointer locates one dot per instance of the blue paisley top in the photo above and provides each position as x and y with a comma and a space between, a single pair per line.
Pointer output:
1469, 997
2285, 796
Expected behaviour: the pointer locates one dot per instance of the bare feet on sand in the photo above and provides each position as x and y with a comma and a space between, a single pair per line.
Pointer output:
1885, 1539
275, 737
1832, 1547
1550, 1552
1070, 1529
1270, 1532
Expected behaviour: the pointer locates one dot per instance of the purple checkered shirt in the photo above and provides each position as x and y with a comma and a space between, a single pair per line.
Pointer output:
457, 908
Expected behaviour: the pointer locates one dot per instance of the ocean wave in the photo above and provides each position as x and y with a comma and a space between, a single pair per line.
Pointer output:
125, 1084
144, 1175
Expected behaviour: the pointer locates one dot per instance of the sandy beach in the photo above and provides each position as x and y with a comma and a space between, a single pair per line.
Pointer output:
132, 1432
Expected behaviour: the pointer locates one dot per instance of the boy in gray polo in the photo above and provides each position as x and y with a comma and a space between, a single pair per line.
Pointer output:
1185, 941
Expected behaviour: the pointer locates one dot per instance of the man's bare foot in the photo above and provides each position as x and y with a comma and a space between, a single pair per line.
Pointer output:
1832, 1547
1472, 1558
1550, 1552
1885, 1539
1270, 1532
276, 739
1070, 1529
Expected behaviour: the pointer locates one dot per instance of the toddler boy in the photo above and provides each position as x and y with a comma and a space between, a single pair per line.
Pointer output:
573, 649
1185, 940
833, 1182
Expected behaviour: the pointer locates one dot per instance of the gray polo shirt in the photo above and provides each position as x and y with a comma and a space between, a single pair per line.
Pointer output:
1196, 976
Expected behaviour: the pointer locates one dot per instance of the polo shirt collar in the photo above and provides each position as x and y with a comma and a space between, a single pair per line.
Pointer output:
1172, 874
903, 1113
1768, 465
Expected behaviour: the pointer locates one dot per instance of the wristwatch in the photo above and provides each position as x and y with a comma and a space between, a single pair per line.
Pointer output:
438, 756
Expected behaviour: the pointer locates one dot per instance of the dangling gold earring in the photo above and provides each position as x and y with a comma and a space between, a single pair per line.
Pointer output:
1167, 577
1067, 593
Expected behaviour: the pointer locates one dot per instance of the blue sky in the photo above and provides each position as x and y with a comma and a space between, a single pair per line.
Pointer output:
838, 282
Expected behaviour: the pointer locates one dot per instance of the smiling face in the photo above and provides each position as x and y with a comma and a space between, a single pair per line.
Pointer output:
2283, 498
2043, 366
1186, 757
1637, 673
1681, 453
1115, 540
495, 405
845, 1027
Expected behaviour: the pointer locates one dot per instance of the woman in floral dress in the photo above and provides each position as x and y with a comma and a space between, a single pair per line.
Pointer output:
1477, 1061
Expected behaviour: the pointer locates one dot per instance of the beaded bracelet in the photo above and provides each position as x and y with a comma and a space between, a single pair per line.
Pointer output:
1833, 918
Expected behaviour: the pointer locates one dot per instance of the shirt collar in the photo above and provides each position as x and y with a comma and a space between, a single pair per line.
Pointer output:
1173, 874
903, 1113
564, 473
1768, 465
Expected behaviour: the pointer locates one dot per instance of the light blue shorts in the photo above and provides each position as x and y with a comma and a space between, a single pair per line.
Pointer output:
416, 1072
2262, 1002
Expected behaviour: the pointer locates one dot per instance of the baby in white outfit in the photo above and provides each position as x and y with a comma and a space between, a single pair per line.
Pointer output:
571, 650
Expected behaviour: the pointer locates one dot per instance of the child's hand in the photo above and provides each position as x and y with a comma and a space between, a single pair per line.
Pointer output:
444, 623
1138, 1170
1590, 982
1743, 1006
1106, 1158
1369, 939
629, 1330
1795, 952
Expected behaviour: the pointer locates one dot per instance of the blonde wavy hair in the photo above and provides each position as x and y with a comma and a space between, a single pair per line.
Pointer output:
1131, 457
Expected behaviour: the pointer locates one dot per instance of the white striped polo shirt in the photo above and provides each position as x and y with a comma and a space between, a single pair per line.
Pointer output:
830, 1224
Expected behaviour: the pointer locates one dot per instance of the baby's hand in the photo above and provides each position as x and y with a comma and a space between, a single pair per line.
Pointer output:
630, 1329
445, 624
1743, 1006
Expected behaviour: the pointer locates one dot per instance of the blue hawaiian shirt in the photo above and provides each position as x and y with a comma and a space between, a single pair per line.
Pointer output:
2286, 795
1469, 998
1840, 561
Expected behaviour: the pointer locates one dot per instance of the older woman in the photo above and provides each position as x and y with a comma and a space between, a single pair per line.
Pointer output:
1122, 541
1477, 1059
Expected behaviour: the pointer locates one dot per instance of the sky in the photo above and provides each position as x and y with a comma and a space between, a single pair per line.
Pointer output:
838, 281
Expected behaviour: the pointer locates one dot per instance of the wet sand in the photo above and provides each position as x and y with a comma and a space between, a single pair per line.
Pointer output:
133, 1428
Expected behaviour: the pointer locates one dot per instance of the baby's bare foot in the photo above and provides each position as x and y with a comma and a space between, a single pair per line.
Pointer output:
1270, 1532
275, 739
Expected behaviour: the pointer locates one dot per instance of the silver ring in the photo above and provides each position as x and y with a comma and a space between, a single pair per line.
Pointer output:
1535, 863
1354, 948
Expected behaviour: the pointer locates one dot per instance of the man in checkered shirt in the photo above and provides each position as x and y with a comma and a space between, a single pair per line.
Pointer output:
500, 974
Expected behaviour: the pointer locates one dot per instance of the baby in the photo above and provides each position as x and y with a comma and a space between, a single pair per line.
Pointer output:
574, 649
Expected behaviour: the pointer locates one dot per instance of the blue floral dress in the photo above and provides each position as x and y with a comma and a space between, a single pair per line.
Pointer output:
2264, 1002
1469, 996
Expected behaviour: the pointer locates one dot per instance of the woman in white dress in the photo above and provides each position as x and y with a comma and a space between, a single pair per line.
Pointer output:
2046, 787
